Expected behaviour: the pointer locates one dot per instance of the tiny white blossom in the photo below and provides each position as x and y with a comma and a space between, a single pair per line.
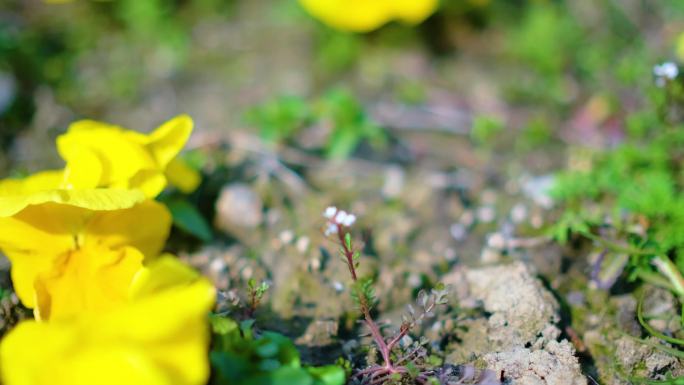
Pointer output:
330, 212
331, 229
341, 216
349, 220
667, 70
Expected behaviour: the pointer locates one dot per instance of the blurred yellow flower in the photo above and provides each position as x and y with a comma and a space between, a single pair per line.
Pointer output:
47, 186
102, 155
76, 250
159, 336
367, 15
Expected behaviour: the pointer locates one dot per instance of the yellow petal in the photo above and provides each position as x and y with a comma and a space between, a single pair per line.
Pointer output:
169, 302
67, 354
160, 337
117, 156
414, 11
102, 155
185, 178
85, 169
150, 181
144, 226
34, 238
350, 15
165, 273
168, 140
367, 15
87, 280
41, 181
95, 199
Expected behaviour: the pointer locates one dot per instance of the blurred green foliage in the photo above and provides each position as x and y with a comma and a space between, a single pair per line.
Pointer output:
485, 129
629, 199
338, 114
240, 356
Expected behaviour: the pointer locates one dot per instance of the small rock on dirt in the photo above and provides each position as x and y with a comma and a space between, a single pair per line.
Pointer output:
238, 206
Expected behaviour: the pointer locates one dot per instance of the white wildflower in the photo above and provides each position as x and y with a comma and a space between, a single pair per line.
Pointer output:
331, 229
349, 220
341, 216
330, 212
665, 72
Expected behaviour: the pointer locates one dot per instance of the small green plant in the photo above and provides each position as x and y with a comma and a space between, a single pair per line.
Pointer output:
241, 355
629, 202
485, 129
337, 114
402, 363
281, 118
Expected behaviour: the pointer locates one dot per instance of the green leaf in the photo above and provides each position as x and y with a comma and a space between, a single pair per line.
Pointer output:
222, 325
187, 218
283, 376
327, 375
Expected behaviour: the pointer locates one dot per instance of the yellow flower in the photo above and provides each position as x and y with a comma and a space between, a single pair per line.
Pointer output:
102, 155
47, 186
159, 336
367, 15
75, 250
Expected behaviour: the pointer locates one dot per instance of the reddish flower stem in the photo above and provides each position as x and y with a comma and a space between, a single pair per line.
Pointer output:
365, 309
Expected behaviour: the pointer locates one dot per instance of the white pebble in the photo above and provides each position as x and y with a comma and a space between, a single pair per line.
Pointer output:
486, 214
458, 231
496, 241
286, 236
519, 213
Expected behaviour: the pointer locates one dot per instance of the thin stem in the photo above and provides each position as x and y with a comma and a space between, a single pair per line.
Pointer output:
406, 328
614, 246
348, 253
365, 309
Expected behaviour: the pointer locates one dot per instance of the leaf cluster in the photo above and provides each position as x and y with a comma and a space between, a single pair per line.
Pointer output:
242, 356
337, 113
628, 201
363, 294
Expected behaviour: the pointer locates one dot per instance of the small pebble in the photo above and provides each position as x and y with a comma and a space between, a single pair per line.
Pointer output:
286, 236
537, 221
217, 266
467, 218
486, 214
519, 213
338, 286
406, 340
489, 255
488, 197
247, 272
238, 205
496, 241
303, 244
450, 254
414, 280
458, 231
575, 298
394, 182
